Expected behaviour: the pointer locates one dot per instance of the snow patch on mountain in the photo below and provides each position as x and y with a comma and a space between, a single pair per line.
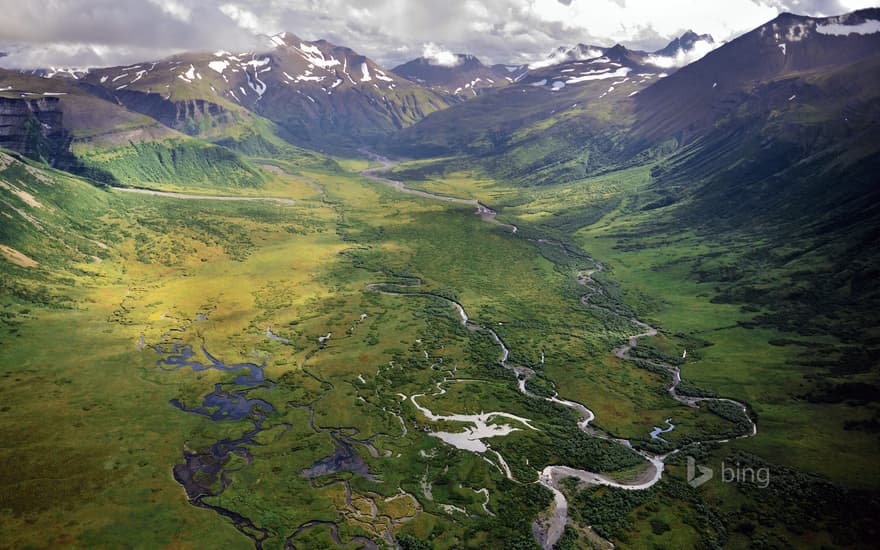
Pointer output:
314, 56
382, 76
218, 66
599, 75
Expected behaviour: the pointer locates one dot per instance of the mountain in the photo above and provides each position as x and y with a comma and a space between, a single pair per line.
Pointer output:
511, 73
65, 124
564, 54
319, 94
550, 105
684, 44
44, 118
466, 75
679, 52
462, 75
74, 73
768, 63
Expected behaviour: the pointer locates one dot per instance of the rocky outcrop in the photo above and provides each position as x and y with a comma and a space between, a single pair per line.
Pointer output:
33, 127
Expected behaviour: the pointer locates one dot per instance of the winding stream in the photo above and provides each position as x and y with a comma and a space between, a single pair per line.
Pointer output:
551, 476
206, 473
385, 165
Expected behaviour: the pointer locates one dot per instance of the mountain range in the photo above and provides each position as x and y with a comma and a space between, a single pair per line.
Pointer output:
318, 94
751, 131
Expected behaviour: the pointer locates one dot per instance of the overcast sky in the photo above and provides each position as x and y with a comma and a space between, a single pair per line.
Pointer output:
43, 33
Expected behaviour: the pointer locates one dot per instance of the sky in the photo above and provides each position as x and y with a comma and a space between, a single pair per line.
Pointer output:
82, 33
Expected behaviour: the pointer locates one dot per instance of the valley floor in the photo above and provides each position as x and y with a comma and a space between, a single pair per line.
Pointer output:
289, 373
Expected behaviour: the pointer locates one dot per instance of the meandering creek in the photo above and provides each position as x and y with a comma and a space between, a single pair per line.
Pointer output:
205, 473
385, 165
551, 476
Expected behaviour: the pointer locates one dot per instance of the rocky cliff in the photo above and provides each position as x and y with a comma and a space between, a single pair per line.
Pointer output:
34, 128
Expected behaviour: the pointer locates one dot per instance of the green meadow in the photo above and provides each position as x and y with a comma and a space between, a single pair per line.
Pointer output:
342, 300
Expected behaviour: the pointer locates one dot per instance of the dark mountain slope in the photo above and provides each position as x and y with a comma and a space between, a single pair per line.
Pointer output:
596, 90
467, 76
707, 90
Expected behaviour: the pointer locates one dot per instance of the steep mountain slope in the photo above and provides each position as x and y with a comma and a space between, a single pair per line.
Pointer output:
706, 91
47, 229
320, 94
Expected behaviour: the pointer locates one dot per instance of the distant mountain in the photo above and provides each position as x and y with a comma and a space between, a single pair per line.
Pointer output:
74, 73
320, 94
465, 75
329, 97
598, 89
684, 43
561, 122
563, 54
680, 51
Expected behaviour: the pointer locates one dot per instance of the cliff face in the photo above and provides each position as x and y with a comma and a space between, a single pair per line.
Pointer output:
193, 117
33, 127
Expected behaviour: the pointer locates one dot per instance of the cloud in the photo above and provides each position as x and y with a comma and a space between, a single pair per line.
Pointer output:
564, 54
245, 18
173, 8
78, 32
438, 56
683, 57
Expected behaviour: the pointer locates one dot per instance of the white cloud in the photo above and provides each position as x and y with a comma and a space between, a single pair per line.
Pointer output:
560, 55
246, 19
173, 8
626, 21
852, 5
438, 56
682, 57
